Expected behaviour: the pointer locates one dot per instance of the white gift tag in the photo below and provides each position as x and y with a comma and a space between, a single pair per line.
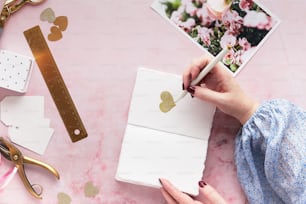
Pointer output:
27, 126
15, 71
13, 107
35, 139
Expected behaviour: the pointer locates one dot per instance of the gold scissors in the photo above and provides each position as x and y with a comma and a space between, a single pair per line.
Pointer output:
11, 6
11, 153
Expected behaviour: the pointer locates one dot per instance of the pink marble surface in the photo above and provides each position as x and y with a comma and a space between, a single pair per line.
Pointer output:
99, 54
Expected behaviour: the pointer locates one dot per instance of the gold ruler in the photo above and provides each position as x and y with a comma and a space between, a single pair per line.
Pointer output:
55, 83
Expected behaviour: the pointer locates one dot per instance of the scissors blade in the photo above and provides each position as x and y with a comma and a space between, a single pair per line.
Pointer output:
5, 152
8, 2
1, 31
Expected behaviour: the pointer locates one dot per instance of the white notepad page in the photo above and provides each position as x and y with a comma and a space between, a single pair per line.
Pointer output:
169, 145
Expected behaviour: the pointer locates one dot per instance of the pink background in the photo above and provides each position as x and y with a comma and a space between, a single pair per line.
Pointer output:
99, 54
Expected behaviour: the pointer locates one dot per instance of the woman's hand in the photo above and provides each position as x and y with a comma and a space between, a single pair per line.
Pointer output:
221, 89
207, 194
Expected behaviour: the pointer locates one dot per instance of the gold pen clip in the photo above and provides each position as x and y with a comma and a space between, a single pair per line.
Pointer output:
10, 152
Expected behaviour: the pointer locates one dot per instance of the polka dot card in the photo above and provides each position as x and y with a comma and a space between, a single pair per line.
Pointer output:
15, 71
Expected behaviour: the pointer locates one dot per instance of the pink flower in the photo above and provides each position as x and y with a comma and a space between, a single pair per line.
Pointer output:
177, 16
202, 14
243, 42
258, 20
233, 57
233, 22
189, 7
237, 59
246, 4
227, 39
188, 25
229, 57
204, 34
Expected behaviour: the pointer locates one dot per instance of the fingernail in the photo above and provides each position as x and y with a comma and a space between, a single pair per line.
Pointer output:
183, 87
202, 184
191, 90
160, 181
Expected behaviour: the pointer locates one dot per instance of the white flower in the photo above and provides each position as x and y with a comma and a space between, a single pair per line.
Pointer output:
258, 20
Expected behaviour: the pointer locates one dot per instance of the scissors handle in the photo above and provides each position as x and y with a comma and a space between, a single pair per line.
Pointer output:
19, 161
13, 154
29, 187
41, 164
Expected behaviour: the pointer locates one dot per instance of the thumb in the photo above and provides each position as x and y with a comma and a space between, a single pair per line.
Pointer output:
208, 193
208, 95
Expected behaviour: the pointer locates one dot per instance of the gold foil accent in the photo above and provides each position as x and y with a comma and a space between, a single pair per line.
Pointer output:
167, 102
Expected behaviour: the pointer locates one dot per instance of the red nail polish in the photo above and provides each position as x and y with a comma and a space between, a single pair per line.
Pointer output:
191, 90
202, 184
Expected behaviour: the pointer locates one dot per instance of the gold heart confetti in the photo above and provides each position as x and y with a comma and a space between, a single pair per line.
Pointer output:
47, 15
90, 190
63, 198
61, 22
55, 34
167, 102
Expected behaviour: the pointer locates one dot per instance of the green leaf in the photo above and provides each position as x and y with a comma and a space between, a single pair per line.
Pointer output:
171, 6
228, 2
233, 67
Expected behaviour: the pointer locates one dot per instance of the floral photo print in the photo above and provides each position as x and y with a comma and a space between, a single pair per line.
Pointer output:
215, 24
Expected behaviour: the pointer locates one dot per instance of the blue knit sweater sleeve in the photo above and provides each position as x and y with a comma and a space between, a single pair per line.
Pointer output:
270, 154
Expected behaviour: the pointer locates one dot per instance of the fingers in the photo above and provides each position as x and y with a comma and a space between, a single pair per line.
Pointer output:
167, 197
209, 95
194, 69
210, 194
172, 194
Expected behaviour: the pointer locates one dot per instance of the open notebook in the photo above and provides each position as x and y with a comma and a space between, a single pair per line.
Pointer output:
164, 145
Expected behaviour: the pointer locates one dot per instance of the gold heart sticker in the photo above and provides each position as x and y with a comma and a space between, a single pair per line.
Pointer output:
55, 34
61, 22
47, 15
63, 198
90, 190
167, 102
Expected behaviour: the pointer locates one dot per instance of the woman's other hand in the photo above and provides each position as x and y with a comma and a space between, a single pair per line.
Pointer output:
207, 194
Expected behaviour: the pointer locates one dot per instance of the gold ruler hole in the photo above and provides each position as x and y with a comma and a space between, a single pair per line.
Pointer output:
77, 132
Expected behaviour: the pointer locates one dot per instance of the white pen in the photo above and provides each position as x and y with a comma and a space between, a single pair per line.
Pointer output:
205, 71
